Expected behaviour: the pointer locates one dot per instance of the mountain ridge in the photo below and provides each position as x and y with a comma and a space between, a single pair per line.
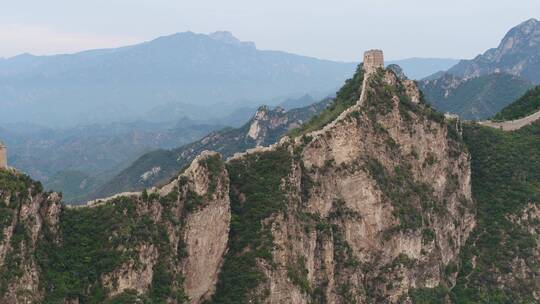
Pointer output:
479, 88
517, 54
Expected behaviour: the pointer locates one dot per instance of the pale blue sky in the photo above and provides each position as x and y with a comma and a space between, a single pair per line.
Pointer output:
339, 29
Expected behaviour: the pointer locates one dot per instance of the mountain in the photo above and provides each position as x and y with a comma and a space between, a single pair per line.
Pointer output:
378, 199
505, 179
475, 98
302, 101
217, 72
157, 167
419, 68
480, 87
517, 54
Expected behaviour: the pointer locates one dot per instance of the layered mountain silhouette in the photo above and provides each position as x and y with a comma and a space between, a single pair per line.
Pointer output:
518, 54
216, 71
480, 87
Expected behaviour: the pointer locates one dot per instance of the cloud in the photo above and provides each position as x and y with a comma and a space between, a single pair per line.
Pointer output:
42, 40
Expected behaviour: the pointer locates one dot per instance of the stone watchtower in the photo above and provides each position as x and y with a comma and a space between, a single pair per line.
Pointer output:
3, 156
373, 59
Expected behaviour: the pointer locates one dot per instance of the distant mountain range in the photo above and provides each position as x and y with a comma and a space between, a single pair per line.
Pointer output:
480, 87
216, 71
204, 77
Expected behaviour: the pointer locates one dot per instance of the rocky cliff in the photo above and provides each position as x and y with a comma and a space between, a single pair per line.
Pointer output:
367, 209
166, 245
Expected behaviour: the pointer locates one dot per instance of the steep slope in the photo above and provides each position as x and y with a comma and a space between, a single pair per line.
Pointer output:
215, 71
157, 167
500, 263
157, 247
474, 98
364, 210
517, 54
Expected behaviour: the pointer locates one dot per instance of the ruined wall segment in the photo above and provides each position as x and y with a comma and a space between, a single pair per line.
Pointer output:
3, 156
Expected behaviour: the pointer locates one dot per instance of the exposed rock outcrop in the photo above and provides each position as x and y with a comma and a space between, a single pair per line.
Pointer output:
372, 206
166, 245
24, 211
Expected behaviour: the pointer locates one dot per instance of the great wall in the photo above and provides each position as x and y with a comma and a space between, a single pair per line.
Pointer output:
512, 125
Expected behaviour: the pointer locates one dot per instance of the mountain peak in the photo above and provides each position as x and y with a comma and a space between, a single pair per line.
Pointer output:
528, 23
229, 38
517, 54
527, 31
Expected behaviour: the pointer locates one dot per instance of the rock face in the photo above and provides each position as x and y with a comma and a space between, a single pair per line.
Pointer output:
264, 121
398, 71
375, 205
163, 246
24, 213
517, 54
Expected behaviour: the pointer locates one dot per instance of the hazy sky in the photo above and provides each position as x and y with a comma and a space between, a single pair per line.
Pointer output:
338, 29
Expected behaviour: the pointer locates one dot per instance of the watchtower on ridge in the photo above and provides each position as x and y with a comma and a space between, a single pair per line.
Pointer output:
373, 59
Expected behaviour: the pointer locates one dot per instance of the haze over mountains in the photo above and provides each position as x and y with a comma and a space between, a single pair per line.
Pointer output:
216, 72
77, 160
201, 76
